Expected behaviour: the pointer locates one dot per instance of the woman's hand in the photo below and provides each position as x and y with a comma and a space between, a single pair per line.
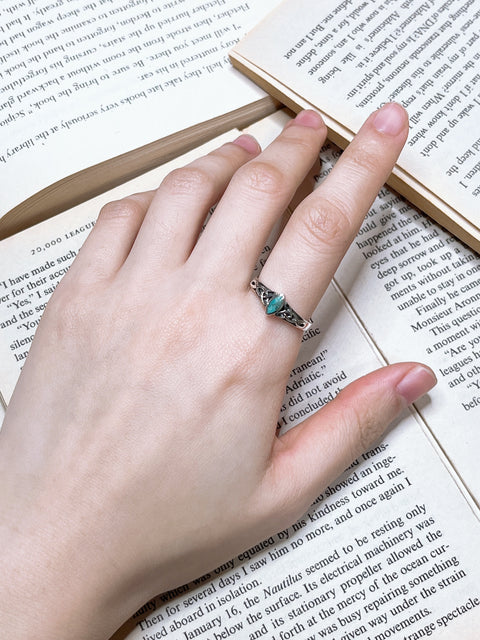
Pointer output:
140, 449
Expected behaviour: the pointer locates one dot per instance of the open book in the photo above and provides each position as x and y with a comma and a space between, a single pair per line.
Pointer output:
347, 58
94, 94
390, 550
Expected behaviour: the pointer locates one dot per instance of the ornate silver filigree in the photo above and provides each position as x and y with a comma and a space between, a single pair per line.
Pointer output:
276, 305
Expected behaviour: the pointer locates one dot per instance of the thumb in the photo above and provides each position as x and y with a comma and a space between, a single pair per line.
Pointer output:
309, 456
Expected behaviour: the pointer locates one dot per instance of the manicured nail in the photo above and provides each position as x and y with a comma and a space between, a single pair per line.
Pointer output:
416, 383
308, 118
248, 143
390, 119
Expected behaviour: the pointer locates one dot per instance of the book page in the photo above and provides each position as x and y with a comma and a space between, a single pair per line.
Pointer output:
415, 288
348, 58
388, 550
83, 82
390, 547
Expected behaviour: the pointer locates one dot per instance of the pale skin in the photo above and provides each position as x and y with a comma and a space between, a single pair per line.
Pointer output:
139, 450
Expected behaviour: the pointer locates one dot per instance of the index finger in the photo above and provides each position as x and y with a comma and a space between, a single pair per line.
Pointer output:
311, 246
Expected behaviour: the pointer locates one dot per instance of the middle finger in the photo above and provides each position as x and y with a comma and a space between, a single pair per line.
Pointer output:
258, 194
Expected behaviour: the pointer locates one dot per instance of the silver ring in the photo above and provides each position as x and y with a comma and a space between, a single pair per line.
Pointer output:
276, 305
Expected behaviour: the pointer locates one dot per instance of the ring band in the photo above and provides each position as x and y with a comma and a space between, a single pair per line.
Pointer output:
276, 305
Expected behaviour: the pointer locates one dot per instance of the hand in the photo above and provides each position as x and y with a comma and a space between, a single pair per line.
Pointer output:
140, 450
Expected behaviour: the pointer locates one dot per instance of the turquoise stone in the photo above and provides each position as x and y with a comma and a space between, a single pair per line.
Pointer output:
275, 304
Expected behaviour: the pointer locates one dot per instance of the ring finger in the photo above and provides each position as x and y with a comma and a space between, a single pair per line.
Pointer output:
180, 204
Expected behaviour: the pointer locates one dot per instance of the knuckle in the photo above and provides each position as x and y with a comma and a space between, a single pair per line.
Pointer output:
325, 224
126, 208
263, 178
367, 427
301, 139
187, 180
362, 160
223, 163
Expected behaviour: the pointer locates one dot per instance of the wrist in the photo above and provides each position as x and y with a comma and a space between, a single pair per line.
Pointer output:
54, 580
50, 591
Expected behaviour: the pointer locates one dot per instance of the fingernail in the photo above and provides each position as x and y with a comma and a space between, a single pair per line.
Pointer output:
248, 143
308, 118
416, 383
390, 119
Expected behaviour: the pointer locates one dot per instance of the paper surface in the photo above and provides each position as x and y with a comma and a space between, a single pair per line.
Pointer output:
389, 547
348, 59
81, 84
